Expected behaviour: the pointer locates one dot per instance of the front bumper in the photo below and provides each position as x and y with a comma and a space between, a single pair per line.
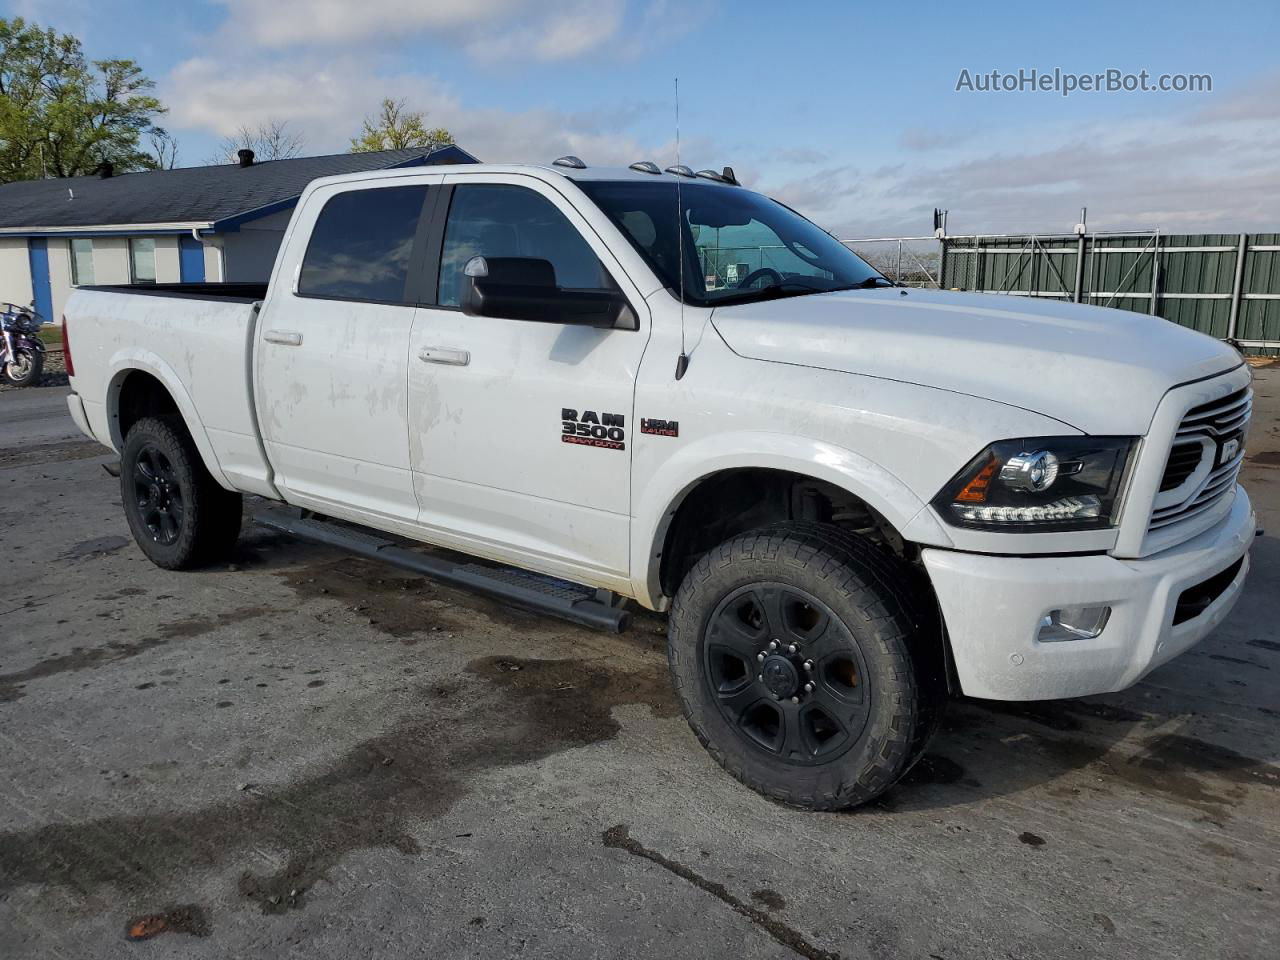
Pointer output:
992, 606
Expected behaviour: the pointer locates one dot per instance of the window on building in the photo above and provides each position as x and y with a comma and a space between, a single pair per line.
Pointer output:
497, 220
361, 245
142, 259
82, 262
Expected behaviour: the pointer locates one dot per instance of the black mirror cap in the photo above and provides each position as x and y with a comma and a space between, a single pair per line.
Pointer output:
537, 303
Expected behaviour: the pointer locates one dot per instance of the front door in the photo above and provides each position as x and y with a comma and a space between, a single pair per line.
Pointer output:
332, 352
520, 431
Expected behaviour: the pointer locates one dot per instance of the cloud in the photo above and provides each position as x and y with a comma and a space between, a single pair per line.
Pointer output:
488, 30
292, 23
1184, 169
324, 98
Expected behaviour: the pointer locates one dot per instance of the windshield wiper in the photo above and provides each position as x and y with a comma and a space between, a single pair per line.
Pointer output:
871, 283
797, 288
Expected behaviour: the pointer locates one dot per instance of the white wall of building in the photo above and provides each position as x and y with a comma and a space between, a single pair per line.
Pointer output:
110, 260
250, 252
15, 270
246, 255
59, 277
168, 269
213, 260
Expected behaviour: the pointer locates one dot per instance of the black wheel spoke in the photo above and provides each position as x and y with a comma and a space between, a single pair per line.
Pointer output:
794, 745
731, 630
737, 700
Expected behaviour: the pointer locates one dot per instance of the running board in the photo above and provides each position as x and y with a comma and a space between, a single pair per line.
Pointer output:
559, 598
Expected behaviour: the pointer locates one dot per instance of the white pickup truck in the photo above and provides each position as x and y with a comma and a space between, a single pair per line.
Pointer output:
852, 498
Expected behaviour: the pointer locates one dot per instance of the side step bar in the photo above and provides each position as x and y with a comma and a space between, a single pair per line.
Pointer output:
559, 598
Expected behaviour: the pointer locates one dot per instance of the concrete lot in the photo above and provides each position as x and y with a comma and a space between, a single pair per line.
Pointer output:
305, 755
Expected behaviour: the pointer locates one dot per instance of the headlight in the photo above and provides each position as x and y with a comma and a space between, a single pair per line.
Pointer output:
1039, 484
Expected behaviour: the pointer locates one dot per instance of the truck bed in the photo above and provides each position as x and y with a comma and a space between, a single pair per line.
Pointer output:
197, 340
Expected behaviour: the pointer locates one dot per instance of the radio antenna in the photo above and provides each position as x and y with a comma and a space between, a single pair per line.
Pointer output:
682, 362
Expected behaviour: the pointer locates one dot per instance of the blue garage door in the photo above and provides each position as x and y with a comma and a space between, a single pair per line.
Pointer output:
191, 259
38, 254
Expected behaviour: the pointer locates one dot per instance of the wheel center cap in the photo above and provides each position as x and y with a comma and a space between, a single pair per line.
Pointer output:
780, 676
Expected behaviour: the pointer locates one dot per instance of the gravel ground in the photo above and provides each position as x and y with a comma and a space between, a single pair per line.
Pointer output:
304, 755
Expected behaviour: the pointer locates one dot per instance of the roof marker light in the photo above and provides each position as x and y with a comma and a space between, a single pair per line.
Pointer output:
570, 161
645, 166
681, 171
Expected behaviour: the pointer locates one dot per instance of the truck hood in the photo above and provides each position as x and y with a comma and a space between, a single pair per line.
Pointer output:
1099, 370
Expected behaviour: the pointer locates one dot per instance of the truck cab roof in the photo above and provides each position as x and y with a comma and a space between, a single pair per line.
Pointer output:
543, 171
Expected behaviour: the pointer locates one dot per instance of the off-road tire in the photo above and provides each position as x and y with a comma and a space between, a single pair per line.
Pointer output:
883, 605
209, 521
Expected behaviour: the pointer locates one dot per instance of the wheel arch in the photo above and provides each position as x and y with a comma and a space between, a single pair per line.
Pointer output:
143, 384
720, 471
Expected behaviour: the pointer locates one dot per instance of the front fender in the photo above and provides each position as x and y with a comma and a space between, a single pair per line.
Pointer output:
663, 493
129, 359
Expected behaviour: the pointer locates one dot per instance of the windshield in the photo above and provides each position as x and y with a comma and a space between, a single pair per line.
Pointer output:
739, 246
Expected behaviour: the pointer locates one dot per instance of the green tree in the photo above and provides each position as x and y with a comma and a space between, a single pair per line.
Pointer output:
62, 115
395, 128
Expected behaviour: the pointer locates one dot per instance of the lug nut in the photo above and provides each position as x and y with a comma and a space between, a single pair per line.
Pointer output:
795, 699
792, 649
760, 678
759, 656
773, 644
808, 688
808, 665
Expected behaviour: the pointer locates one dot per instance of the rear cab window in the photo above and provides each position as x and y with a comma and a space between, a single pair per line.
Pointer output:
362, 245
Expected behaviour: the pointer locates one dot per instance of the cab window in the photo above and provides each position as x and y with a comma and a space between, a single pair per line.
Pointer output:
501, 220
361, 245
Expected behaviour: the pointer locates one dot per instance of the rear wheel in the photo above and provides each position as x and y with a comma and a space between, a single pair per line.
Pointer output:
808, 662
178, 514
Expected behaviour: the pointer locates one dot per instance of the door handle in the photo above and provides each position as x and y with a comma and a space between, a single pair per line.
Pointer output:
456, 358
286, 338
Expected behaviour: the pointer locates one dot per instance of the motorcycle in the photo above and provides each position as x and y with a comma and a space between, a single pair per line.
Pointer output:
21, 349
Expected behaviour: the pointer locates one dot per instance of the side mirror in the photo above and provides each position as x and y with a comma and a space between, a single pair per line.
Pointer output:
524, 288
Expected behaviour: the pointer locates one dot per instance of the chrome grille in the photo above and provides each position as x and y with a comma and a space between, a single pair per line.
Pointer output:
1202, 435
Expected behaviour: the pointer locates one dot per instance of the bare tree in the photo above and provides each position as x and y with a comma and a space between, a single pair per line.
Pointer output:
164, 149
269, 140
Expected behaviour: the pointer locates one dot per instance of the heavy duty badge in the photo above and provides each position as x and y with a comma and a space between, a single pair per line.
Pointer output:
591, 429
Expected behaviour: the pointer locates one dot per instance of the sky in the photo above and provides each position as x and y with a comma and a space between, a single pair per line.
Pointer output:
848, 111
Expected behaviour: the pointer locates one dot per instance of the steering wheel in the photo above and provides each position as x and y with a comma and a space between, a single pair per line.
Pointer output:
746, 282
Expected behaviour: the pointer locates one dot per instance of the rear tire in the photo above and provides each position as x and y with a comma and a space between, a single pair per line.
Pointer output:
179, 516
846, 699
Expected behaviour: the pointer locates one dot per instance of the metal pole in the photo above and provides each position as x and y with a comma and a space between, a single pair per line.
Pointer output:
898, 278
1155, 273
942, 259
1237, 288
1079, 269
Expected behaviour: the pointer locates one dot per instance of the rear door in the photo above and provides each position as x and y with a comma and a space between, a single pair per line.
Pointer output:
519, 431
333, 345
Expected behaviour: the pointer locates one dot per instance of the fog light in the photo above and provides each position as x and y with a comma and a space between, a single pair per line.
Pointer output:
1073, 623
